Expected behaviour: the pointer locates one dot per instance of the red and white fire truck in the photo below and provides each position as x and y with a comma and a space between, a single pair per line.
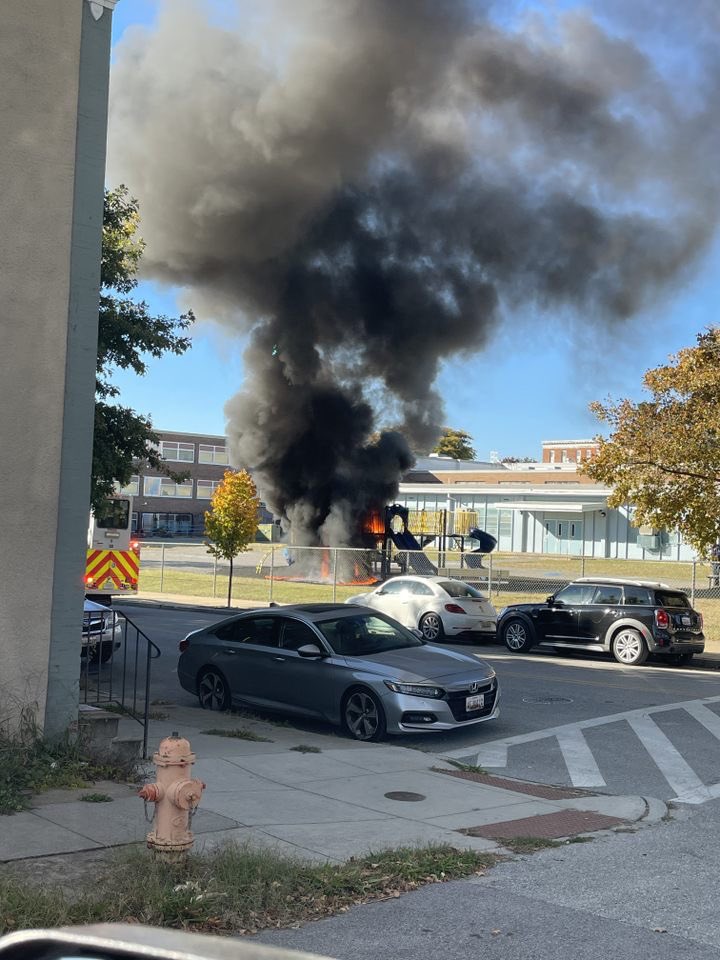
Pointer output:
113, 556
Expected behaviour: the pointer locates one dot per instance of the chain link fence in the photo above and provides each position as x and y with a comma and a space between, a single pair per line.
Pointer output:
289, 574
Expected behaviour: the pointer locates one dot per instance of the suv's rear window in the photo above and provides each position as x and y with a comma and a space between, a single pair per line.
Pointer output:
667, 598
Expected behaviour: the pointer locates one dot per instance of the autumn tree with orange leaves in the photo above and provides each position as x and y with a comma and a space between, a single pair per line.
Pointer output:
231, 521
663, 453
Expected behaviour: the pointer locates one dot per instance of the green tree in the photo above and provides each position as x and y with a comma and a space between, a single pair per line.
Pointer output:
663, 453
127, 334
518, 460
456, 444
232, 519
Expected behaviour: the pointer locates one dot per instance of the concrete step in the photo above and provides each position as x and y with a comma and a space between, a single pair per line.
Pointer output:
97, 726
126, 748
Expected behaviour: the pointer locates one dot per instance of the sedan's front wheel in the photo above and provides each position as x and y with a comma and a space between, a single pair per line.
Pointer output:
213, 691
629, 647
363, 716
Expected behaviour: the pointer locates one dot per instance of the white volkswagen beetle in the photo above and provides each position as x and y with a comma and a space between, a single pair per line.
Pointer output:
436, 606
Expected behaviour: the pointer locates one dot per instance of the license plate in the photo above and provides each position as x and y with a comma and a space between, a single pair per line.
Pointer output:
475, 703
687, 621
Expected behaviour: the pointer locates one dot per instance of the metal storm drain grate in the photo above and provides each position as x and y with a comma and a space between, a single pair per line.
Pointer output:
405, 796
548, 700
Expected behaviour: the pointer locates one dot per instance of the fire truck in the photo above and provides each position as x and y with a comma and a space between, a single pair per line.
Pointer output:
113, 556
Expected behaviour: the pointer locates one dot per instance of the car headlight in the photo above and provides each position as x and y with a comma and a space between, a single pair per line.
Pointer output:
415, 689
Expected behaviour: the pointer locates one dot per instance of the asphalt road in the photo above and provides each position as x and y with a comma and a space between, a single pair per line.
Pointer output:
649, 895
580, 720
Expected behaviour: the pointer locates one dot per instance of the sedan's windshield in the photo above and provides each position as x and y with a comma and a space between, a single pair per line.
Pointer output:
456, 588
365, 634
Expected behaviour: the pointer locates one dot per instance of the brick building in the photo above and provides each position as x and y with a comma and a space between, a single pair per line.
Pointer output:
164, 508
568, 451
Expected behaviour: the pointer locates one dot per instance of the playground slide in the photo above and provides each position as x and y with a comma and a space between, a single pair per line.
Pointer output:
416, 559
486, 541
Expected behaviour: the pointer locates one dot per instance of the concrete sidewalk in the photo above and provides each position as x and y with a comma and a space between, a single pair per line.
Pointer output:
345, 800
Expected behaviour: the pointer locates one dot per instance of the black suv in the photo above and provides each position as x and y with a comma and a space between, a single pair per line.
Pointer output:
628, 618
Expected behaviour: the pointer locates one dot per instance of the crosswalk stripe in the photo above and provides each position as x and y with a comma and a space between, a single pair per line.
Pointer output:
542, 734
494, 755
579, 760
710, 720
676, 770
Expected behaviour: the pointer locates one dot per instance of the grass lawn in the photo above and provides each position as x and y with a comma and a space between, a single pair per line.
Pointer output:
244, 587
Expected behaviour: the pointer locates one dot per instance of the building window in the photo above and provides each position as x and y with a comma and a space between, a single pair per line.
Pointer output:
206, 488
131, 489
167, 524
207, 453
165, 487
564, 456
552, 456
578, 456
172, 450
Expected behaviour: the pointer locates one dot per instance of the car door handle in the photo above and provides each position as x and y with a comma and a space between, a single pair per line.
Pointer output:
280, 659
230, 650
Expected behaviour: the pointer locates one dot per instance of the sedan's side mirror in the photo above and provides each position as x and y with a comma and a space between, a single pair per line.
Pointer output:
311, 650
380, 593
550, 600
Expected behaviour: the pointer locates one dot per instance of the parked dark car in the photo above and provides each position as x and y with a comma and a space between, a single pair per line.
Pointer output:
101, 632
628, 618
349, 665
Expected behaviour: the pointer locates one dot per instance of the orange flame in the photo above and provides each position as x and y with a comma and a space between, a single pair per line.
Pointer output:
374, 522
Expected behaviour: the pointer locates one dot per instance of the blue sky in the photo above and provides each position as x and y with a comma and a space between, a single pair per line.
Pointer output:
533, 382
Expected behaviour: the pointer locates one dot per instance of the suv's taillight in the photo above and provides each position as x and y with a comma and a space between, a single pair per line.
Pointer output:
662, 619
183, 645
700, 620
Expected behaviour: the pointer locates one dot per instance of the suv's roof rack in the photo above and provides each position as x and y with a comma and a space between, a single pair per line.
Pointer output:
622, 581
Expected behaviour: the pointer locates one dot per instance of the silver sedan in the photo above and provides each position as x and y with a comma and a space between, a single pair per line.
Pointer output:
349, 665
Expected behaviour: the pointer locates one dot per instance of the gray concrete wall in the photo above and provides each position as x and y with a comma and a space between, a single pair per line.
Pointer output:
53, 107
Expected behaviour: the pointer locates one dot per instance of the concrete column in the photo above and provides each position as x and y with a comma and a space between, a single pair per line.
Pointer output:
54, 64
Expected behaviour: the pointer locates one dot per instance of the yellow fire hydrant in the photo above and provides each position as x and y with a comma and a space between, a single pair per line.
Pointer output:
175, 796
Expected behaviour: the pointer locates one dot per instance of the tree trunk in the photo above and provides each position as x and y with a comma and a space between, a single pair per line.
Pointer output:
230, 582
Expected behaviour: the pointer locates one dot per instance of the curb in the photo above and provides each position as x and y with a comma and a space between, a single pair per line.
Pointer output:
194, 607
657, 810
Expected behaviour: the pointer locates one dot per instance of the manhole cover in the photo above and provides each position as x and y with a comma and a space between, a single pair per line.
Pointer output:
404, 795
547, 700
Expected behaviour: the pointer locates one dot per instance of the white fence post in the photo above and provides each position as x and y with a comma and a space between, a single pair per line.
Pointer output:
335, 553
214, 577
272, 571
162, 566
490, 575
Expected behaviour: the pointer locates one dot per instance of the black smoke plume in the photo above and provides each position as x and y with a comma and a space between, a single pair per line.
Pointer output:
370, 186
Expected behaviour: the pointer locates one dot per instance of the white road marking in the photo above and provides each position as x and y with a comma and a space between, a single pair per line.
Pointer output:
710, 720
582, 767
464, 752
579, 760
669, 761
493, 755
